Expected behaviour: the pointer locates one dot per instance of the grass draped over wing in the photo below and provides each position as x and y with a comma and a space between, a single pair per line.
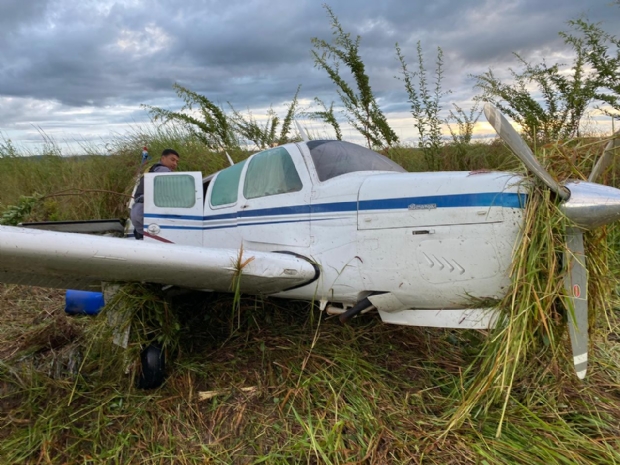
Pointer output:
529, 347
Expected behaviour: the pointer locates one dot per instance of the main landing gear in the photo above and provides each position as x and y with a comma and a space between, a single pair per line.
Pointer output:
153, 362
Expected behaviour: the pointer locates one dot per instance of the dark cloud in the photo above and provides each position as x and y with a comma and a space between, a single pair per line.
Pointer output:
108, 57
16, 13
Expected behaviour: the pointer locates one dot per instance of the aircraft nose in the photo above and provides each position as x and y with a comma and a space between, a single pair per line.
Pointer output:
591, 205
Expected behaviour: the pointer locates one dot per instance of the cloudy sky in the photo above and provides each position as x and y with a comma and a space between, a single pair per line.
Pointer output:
78, 70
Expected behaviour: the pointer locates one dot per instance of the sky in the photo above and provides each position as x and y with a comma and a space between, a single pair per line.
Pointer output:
78, 71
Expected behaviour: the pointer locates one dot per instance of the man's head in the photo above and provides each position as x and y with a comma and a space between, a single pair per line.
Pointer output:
170, 159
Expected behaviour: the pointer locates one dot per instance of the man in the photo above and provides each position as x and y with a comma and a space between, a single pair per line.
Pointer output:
167, 163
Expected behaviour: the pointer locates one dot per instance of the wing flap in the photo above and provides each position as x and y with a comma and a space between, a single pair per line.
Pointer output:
53, 259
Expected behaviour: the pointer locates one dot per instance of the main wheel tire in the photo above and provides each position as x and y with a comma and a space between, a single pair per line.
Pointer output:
153, 363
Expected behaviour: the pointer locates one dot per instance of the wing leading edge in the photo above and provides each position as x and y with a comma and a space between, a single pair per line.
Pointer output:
64, 260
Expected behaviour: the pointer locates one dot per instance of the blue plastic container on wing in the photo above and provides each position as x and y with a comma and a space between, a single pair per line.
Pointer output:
83, 302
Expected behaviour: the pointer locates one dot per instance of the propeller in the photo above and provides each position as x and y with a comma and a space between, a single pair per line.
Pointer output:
588, 206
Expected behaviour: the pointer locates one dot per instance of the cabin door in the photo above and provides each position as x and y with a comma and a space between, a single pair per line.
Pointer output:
173, 204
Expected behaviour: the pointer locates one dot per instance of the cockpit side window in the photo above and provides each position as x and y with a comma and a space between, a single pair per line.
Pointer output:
226, 185
271, 172
334, 158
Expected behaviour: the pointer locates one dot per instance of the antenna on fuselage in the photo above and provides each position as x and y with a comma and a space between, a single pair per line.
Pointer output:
301, 130
230, 160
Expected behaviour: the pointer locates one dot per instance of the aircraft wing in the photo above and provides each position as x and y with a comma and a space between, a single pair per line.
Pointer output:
78, 261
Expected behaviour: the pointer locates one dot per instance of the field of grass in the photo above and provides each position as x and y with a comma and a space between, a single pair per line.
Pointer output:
280, 382
286, 386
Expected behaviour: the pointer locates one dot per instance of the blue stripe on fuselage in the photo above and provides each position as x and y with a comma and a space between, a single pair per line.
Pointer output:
190, 217
487, 199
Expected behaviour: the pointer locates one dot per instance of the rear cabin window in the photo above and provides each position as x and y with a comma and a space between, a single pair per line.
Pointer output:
269, 173
226, 185
334, 158
174, 191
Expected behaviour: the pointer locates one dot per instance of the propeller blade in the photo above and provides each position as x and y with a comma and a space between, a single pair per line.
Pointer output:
507, 133
603, 163
576, 285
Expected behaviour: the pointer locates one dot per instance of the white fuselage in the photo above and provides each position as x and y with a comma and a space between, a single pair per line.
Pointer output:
431, 240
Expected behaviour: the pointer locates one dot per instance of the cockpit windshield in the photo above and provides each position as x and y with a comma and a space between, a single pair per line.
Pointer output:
333, 158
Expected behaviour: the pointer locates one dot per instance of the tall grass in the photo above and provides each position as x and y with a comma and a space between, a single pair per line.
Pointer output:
285, 386
98, 186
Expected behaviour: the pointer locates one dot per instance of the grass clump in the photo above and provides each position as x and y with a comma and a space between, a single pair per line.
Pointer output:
529, 348
530, 317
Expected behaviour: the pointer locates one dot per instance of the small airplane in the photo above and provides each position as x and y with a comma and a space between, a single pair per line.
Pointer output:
336, 223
